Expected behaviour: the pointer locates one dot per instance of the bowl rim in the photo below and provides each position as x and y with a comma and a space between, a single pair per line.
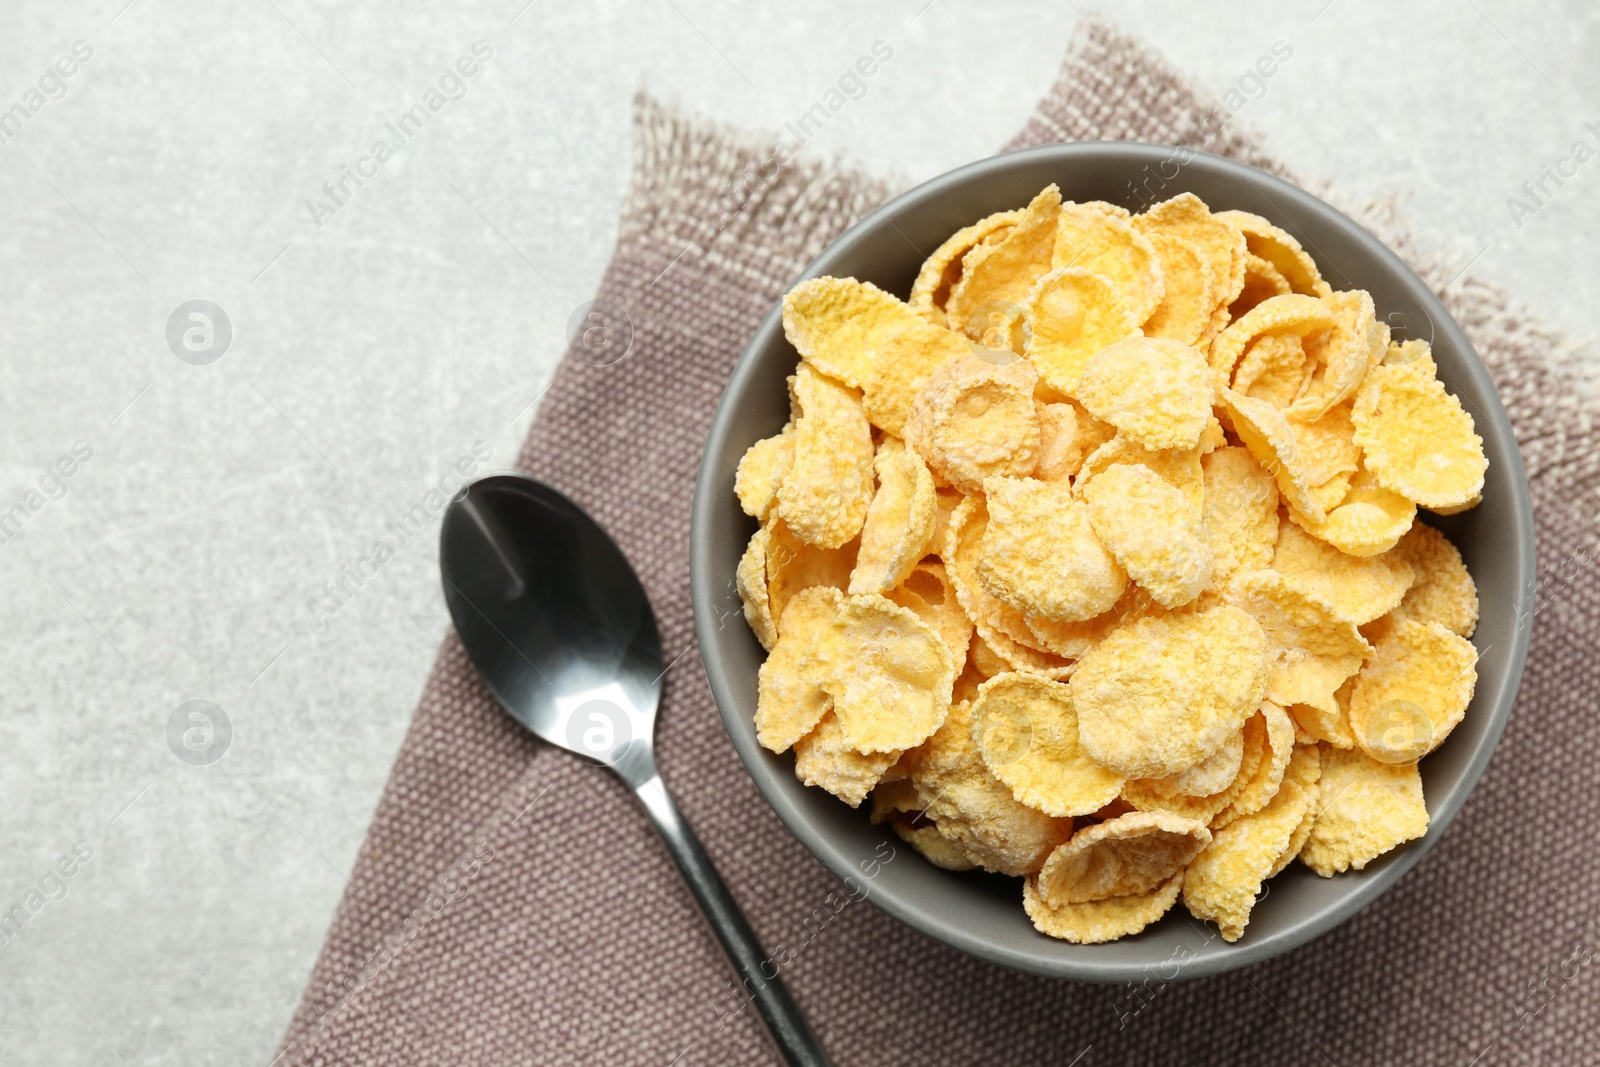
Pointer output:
1086, 966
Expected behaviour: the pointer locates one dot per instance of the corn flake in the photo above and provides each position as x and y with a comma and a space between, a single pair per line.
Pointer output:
976, 419
1413, 692
973, 808
983, 660
761, 471
1305, 770
1365, 808
1224, 881
1255, 792
1178, 467
1310, 648
839, 324
905, 362
1291, 314
1368, 520
1208, 777
1220, 243
960, 554
889, 674
1280, 249
1265, 432
900, 520
792, 566
1444, 591
1416, 350
1240, 513
1072, 639
946, 500
1262, 281
1027, 733
1074, 313
1358, 588
790, 700
1157, 393
1101, 920
1273, 369
1342, 355
1331, 726
1129, 855
1040, 555
1060, 447
1188, 295
824, 495
750, 579
1331, 493
929, 592
1154, 794
936, 848
1020, 647
1097, 240
1161, 694
1327, 447
824, 759
943, 269
1002, 274
1145, 523
1417, 439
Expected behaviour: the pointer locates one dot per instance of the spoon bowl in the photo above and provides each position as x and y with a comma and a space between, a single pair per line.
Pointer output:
552, 616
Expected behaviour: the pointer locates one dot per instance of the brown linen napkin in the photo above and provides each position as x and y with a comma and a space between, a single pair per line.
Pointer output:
511, 906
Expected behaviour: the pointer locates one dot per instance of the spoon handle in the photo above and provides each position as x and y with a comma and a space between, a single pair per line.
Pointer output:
757, 971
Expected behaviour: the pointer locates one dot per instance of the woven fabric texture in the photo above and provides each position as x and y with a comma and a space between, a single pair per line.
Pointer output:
511, 905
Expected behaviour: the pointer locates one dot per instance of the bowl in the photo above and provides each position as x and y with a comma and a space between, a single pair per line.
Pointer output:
982, 913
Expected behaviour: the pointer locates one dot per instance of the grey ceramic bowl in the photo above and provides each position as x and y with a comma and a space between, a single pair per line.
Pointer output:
982, 914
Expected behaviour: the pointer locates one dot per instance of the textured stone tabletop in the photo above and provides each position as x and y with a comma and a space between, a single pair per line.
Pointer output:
218, 519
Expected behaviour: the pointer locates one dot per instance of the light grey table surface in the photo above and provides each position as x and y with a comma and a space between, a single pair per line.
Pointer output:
183, 560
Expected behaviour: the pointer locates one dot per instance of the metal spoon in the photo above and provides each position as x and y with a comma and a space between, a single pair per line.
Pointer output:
560, 629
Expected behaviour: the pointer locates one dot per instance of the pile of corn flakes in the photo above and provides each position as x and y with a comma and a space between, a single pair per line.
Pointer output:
1095, 562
